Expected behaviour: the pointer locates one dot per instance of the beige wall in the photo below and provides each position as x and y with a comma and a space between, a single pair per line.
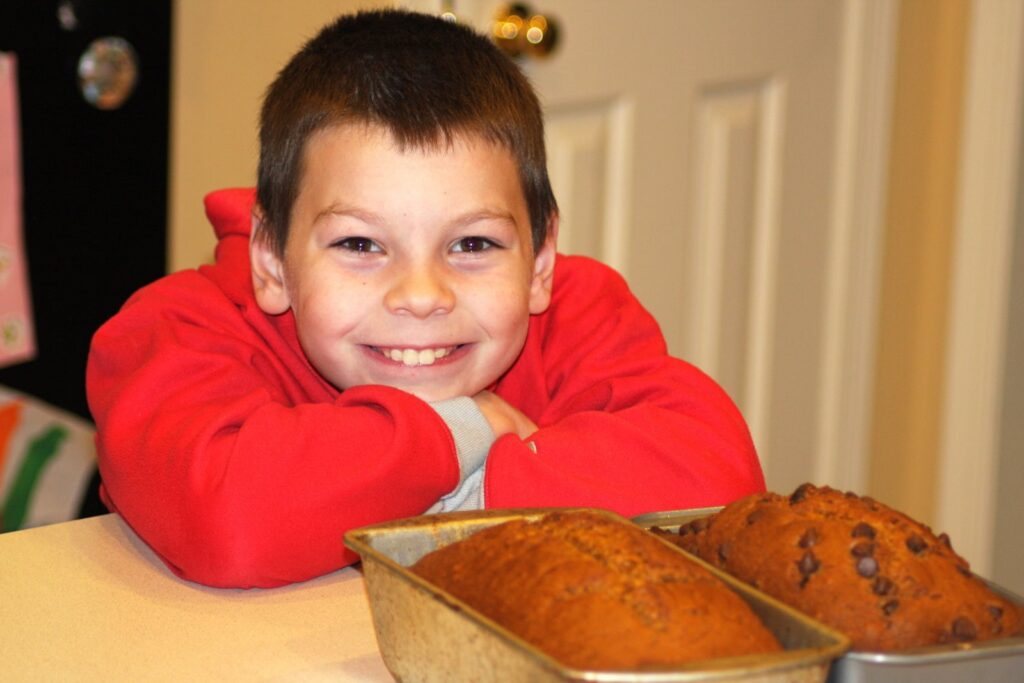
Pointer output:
226, 52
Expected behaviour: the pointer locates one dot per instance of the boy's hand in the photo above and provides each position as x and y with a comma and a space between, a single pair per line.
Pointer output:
503, 417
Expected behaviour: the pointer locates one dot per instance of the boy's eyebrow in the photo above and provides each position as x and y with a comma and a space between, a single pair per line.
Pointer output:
476, 216
372, 218
340, 210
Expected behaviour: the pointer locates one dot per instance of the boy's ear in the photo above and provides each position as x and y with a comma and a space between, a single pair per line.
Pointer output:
544, 269
267, 270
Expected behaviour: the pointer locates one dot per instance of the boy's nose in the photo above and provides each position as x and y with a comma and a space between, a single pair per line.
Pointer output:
421, 291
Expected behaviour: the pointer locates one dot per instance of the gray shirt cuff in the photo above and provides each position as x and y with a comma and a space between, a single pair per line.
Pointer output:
468, 496
472, 433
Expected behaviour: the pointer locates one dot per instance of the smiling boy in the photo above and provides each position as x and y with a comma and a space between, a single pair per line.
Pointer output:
429, 249
387, 330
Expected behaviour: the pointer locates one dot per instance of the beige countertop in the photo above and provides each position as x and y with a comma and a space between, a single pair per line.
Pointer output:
87, 600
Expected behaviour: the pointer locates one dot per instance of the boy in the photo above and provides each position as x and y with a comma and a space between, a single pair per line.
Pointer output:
394, 334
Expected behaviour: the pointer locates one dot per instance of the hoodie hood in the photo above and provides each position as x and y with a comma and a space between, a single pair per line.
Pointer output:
230, 211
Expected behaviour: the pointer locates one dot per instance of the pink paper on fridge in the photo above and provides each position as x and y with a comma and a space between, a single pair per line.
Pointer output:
17, 335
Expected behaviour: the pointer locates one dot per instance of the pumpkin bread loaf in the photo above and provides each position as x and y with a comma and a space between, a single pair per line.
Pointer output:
596, 593
883, 579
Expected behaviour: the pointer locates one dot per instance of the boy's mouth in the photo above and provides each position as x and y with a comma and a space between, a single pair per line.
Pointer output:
414, 357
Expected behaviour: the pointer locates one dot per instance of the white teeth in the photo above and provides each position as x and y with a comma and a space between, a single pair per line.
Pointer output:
415, 357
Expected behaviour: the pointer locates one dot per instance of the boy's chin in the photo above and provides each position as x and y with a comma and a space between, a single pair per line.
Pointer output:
431, 394
434, 395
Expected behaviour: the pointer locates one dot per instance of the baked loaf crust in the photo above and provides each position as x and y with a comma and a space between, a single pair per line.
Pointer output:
596, 593
883, 579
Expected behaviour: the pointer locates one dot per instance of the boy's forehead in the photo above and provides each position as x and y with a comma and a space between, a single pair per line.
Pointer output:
440, 142
321, 152
342, 150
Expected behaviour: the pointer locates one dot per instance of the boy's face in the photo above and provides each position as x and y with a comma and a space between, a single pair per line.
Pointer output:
412, 269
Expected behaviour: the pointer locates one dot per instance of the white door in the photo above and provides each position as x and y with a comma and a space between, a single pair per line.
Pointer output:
727, 157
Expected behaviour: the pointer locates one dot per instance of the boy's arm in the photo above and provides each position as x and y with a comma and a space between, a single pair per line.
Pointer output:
622, 425
233, 470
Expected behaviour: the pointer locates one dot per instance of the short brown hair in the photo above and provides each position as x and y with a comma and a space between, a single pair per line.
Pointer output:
422, 78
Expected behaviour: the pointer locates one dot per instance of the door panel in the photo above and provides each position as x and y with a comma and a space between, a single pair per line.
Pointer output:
737, 137
589, 156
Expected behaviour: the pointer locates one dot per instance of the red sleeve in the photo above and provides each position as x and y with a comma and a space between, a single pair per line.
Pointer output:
207, 450
622, 425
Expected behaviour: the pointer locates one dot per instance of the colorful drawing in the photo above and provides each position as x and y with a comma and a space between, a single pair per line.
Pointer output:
46, 460
42, 449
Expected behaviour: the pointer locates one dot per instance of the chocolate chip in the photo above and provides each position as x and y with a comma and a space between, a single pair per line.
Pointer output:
964, 629
996, 611
810, 538
693, 526
944, 539
863, 549
882, 585
723, 552
863, 530
808, 564
890, 607
916, 544
757, 514
965, 570
867, 566
801, 493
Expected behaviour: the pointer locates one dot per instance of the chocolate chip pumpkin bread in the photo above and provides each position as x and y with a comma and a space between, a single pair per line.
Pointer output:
883, 579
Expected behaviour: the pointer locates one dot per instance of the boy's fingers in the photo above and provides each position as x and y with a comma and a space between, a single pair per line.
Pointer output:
503, 417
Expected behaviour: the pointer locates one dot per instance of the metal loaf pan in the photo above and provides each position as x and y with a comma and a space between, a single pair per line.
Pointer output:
990, 661
425, 634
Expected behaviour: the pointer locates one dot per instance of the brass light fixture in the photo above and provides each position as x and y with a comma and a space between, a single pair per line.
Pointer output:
520, 32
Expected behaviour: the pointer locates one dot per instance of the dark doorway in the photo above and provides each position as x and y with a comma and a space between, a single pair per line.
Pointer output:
95, 180
94, 177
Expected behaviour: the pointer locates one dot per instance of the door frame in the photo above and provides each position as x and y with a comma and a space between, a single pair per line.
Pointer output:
857, 236
979, 301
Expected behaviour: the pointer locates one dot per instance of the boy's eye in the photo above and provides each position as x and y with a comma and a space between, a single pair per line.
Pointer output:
473, 244
362, 245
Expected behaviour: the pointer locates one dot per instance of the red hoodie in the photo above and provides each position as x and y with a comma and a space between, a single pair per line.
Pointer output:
241, 466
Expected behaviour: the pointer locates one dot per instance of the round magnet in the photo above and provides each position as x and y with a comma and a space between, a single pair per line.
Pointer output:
107, 72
